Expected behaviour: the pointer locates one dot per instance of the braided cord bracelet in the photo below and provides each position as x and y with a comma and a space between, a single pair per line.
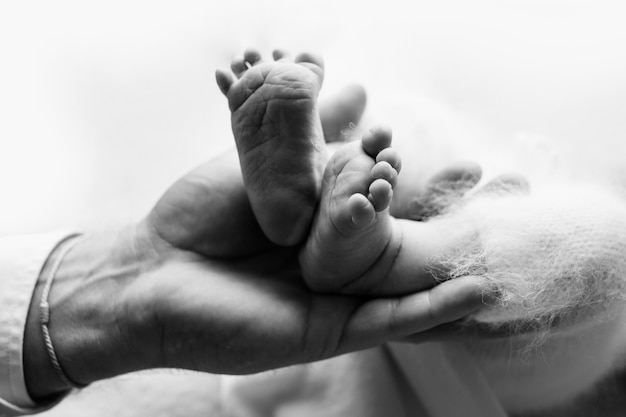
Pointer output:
45, 311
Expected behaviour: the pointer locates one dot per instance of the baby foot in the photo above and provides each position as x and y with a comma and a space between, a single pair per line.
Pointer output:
277, 128
351, 244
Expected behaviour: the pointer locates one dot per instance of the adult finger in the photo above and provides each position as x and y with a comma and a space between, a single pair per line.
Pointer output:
341, 112
446, 188
448, 332
443, 189
442, 333
379, 320
510, 183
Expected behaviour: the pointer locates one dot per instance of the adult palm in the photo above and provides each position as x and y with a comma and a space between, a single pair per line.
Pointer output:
229, 301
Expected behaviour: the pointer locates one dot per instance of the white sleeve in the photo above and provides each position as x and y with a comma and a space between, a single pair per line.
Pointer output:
21, 261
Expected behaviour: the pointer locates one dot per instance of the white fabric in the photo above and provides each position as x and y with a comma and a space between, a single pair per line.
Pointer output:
399, 380
21, 261
446, 380
359, 384
552, 253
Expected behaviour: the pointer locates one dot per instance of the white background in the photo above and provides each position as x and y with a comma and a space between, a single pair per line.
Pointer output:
104, 104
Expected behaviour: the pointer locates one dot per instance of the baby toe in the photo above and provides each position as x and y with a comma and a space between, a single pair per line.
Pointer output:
384, 170
375, 140
252, 56
380, 194
280, 55
391, 156
238, 66
224, 80
361, 210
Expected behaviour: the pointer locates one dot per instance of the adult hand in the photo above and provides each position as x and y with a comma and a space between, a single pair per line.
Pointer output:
446, 189
195, 285
449, 187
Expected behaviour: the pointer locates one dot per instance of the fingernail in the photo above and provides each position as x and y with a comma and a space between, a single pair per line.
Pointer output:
490, 296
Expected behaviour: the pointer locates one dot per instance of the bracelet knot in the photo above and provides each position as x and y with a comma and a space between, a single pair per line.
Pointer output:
45, 312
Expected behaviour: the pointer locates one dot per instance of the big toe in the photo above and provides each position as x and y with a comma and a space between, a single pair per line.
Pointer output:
310, 58
313, 62
377, 139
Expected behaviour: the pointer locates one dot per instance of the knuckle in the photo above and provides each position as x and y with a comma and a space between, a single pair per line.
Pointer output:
393, 315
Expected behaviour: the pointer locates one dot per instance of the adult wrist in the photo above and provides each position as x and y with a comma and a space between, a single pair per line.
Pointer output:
90, 320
